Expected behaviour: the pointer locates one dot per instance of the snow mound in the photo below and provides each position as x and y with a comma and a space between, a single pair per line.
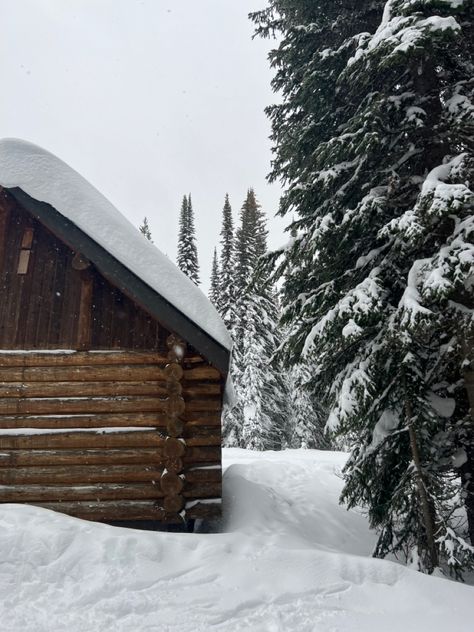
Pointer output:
48, 179
290, 560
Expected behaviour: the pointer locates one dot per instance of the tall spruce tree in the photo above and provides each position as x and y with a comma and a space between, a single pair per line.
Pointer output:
261, 417
145, 229
187, 259
214, 289
308, 416
250, 241
373, 140
227, 296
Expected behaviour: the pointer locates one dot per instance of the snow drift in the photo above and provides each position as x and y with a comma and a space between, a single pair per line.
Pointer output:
290, 559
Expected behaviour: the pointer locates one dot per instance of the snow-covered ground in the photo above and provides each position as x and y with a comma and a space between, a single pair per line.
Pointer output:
290, 559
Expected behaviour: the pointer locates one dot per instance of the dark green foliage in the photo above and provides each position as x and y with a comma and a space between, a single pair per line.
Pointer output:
214, 290
373, 141
187, 259
227, 294
250, 242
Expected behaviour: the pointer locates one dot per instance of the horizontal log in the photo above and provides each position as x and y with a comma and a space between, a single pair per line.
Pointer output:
198, 440
101, 420
87, 389
204, 511
101, 373
192, 431
100, 491
211, 489
201, 389
202, 373
202, 418
202, 454
79, 475
201, 405
74, 440
104, 420
60, 493
194, 456
142, 456
109, 510
58, 406
202, 475
51, 406
86, 358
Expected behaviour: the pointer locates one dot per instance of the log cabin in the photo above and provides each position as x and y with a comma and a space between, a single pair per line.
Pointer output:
113, 364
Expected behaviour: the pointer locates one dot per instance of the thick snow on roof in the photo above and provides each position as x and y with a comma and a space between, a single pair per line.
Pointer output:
48, 179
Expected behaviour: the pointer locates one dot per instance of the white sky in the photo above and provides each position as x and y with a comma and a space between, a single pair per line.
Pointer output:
148, 100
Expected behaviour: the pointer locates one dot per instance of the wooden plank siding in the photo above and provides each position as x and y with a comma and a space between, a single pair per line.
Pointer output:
42, 309
86, 399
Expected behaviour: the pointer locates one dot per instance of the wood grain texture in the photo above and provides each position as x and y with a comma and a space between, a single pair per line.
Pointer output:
88, 456
75, 440
110, 510
138, 375
197, 455
100, 491
79, 474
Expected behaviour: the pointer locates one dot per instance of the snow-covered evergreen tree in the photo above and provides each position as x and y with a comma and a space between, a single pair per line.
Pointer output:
214, 289
145, 229
308, 417
260, 420
187, 259
373, 139
227, 295
250, 241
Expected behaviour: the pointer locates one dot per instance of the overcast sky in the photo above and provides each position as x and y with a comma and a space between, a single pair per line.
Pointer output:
148, 100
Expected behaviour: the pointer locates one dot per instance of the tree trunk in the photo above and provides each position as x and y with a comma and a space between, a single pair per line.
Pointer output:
467, 469
426, 506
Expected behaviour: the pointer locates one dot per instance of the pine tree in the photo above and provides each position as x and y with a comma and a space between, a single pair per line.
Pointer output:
214, 290
226, 302
145, 229
373, 141
187, 259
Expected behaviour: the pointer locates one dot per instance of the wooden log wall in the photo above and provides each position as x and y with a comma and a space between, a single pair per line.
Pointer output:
112, 436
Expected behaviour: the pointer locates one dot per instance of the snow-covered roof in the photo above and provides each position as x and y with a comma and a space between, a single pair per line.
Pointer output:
48, 179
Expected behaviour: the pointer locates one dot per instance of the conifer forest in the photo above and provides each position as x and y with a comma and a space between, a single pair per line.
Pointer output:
358, 333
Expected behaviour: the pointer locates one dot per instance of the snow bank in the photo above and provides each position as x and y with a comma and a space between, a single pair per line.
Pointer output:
291, 559
48, 179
